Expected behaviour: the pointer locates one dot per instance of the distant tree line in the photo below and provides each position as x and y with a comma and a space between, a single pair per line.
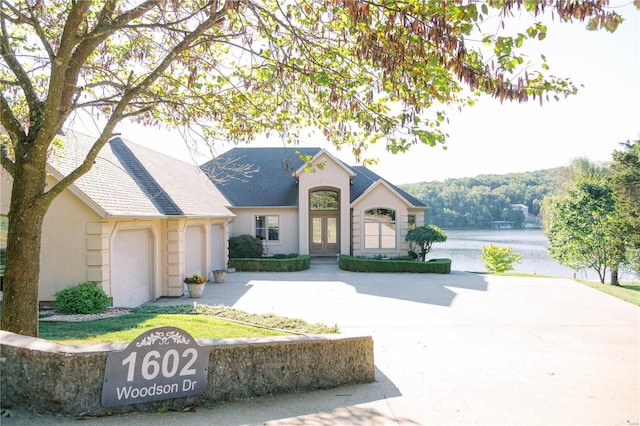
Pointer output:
477, 202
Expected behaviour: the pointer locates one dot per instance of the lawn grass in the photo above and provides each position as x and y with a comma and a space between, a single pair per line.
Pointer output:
126, 328
203, 322
629, 292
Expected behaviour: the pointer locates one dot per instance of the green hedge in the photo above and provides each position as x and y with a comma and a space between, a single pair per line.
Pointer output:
360, 264
271, 264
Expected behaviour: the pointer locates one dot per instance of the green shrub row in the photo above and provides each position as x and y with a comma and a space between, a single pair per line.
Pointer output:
361, 264
271, 264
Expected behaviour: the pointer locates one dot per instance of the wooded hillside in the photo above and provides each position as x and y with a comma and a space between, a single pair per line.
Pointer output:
476, 202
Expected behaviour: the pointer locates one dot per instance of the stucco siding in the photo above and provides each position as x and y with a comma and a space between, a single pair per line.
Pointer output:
331, 176
380, 197
63, 256
192, 246
218, 246
244, 224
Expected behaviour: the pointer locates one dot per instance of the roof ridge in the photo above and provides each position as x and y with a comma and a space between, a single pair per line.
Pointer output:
141, 176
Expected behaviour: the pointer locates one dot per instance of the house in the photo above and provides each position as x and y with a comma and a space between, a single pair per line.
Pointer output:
139, 221
304, 200
136, 223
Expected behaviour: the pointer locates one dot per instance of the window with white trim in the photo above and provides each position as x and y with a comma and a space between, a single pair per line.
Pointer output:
268, 228
380, 229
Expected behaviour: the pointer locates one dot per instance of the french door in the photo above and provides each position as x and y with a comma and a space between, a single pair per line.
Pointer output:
324, 228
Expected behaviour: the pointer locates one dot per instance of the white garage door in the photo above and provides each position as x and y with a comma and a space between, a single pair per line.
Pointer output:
193, 251
131, 270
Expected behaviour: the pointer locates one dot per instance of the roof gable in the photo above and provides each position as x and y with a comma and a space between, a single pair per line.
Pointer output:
365, 180
316, 161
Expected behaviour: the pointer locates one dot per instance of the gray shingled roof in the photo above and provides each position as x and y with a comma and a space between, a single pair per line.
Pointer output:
258, 177
130, 180
262, 177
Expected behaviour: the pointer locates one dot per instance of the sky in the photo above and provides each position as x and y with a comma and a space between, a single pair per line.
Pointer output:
494, 138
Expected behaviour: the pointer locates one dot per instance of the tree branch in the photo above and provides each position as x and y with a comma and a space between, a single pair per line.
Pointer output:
119, 112
21, 75
9, 121
86, 165
7, 163
171, 56
35, 23
54, 111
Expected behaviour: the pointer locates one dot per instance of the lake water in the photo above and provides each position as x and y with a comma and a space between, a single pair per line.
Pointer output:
464, 247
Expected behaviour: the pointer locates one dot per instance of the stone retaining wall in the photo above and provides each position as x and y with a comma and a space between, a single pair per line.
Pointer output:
46, 377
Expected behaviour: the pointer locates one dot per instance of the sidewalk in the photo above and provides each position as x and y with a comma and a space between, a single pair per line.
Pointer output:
450, 349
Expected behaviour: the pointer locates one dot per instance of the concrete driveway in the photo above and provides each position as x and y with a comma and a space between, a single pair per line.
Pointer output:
449, 350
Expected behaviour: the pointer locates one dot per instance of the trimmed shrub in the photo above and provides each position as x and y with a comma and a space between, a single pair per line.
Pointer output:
285, 256
84, 298
245, 246
271, 264
422, 238
362, 264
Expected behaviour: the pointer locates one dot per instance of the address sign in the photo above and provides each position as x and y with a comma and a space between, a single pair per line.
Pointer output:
162, 363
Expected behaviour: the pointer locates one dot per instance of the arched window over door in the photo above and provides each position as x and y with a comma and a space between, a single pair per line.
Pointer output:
324, 199
324, 218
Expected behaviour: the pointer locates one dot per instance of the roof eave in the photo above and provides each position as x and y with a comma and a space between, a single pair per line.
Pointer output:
97, 208
156, 217
263, 207
390, 188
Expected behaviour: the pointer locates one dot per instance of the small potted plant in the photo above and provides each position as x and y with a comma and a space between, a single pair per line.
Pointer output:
219, 275
195, 284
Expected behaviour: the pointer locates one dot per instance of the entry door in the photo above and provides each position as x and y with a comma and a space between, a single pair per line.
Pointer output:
324, 234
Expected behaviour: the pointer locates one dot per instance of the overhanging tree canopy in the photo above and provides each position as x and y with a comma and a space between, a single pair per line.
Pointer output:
358, 72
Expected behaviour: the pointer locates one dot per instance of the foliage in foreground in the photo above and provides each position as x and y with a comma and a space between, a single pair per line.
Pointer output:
357, 72
499, 259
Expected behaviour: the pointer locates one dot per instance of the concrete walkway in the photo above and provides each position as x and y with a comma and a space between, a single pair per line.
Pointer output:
454, 349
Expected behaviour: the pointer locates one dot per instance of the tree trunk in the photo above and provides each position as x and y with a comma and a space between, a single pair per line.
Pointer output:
614, 277
22, 269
